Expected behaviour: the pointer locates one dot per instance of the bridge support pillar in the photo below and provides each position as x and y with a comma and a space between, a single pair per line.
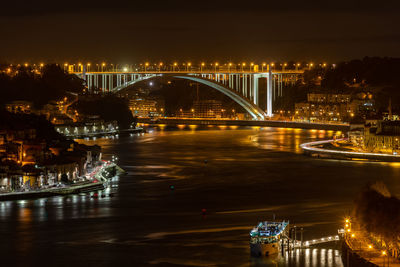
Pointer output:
255, 89
269, 94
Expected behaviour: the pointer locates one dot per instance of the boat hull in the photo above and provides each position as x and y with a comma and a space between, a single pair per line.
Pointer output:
259, 249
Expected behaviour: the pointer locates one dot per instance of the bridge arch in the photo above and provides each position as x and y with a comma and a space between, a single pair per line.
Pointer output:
256, 112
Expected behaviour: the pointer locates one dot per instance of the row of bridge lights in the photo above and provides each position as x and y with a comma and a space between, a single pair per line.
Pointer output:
202, 65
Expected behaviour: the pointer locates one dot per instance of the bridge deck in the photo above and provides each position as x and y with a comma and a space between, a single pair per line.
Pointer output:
192, 72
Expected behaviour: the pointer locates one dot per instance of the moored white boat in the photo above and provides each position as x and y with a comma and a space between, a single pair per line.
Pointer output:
267, 237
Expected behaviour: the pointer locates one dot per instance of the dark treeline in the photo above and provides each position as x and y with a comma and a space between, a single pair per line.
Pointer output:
108, 107
44, 129
379, 213
39, 87
370, 71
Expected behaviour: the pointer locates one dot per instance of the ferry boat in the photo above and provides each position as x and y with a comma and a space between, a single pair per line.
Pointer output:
267, 237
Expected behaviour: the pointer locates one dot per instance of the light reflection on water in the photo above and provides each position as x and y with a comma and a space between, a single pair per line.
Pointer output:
240, 175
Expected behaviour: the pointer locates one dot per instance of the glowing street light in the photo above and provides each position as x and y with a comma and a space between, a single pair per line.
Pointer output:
216, 65
243, 65
175, 64
160, 65
272, 64
145, 66
88, 67
229, 66
202, 65
188, 66
263, 66
102, 66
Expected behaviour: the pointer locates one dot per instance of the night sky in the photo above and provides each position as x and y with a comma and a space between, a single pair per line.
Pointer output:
133, 31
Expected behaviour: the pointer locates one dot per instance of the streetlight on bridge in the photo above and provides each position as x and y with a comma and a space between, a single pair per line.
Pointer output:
102, 66
229, 67
243, 65
88, 67
202, 65
262, 66
145, 66
175, 64
216, 65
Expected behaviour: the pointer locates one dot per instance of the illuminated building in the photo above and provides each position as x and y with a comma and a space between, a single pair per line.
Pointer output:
207, 109
382, 138
146, 108
332, 107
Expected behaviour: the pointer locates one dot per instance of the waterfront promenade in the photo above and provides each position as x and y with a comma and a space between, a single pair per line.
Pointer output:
259, 123
95, 180
358, 247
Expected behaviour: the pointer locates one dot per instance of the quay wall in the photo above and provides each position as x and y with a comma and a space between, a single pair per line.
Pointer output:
351, 258
266, 123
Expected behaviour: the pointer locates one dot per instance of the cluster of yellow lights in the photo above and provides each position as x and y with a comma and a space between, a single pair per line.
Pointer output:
272, 64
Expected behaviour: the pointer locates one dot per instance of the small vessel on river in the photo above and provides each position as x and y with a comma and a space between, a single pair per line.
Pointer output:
267, 237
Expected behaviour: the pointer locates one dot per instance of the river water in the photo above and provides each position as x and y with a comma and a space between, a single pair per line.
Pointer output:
238, 176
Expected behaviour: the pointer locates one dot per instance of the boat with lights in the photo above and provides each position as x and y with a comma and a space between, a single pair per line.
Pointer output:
267, 237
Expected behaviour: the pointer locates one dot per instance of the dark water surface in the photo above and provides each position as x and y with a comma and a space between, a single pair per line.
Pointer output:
240, 176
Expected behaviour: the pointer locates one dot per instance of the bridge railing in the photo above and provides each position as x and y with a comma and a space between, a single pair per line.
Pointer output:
190, 72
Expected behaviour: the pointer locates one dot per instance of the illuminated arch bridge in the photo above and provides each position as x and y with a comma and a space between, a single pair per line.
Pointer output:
242, 87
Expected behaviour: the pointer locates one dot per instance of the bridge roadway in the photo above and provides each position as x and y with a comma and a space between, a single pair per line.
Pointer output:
255, 123
191, 72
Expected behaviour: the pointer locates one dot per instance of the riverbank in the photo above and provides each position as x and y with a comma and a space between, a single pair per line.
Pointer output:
266, 123
359, 250
318, 149
71, 134
96, 180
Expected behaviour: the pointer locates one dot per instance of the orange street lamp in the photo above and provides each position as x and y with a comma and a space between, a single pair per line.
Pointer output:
202, 65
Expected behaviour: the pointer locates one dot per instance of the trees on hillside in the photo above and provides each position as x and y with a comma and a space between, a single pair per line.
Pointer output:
379, 214
52, 83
